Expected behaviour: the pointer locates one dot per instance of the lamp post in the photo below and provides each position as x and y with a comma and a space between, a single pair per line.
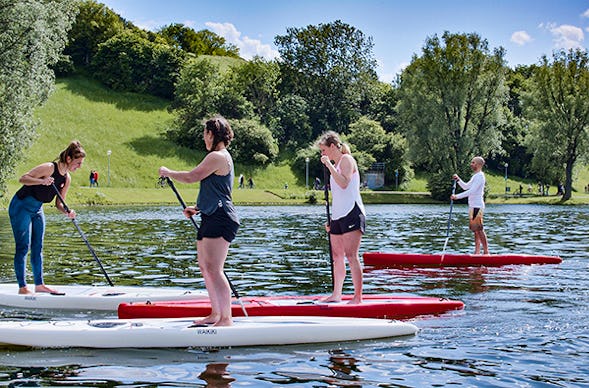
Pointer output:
306, 173
397, 179
108, 169
506, 187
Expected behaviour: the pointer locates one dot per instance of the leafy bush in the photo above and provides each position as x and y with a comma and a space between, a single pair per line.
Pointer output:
129, 62
253, 143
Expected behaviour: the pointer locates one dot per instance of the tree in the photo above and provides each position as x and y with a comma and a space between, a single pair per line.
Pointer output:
369, 137
291, 126
558, 104
258, 80
130, 62
203, 42
194, 100
33, 34
203, 90
327, 65
451, 105
95, 24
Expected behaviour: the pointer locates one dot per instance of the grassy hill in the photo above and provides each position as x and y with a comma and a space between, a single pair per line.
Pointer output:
132, 127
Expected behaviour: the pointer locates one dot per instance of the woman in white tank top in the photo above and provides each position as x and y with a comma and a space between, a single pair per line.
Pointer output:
348, 218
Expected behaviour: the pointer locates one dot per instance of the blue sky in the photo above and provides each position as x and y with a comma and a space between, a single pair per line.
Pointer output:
527, 29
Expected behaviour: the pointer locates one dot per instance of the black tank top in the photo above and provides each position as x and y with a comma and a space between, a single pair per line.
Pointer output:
43, 193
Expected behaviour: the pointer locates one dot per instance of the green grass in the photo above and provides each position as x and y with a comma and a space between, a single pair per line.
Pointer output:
132, 127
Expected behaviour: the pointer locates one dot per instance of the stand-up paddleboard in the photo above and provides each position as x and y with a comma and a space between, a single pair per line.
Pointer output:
395, 259
373, 306
91, 297
172, 333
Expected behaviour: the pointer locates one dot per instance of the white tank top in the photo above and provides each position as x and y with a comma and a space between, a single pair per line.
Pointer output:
345, 199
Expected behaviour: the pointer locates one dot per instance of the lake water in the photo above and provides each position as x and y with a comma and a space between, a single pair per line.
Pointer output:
524, 326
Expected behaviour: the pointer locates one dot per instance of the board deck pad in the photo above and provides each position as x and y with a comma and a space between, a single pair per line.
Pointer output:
373, 306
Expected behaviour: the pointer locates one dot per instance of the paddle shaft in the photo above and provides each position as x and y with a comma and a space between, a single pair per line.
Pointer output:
326, 192
67, 209
183, 204
449, 220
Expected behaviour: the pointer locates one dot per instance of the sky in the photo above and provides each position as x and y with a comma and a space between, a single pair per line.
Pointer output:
526, 29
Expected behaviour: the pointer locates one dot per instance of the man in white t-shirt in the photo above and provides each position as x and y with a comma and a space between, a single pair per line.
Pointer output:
474, 190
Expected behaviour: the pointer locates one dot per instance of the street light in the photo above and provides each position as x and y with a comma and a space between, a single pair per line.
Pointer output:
397, 179
108, 170
506, 187
306, 173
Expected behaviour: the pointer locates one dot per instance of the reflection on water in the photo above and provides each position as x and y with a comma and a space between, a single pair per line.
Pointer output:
522, 325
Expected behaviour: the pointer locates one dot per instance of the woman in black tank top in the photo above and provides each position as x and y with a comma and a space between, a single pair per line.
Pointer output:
219, 219
26, 212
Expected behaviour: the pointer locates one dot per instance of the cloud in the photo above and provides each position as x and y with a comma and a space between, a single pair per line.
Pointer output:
585, 14
567, 36
520, 38
248, 48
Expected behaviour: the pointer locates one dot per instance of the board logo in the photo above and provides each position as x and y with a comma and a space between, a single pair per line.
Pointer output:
207, 331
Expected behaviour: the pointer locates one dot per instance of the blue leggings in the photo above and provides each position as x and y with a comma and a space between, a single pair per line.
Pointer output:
28, 226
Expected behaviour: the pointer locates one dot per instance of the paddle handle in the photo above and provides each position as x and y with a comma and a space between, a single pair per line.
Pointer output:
449, 220
326, 193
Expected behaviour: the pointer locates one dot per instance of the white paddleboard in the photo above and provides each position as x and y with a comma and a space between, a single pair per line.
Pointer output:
104, 298
181, 333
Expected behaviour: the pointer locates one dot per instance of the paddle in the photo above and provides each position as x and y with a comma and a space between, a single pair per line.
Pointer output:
326, 192
67, 209
449, 219
183, 204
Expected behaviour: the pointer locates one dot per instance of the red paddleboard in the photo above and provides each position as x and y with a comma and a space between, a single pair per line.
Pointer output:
384, 259
373, 306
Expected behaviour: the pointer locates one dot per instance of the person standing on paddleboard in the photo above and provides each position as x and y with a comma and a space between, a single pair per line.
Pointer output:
26, 212
219, 218
474, 190
348, 218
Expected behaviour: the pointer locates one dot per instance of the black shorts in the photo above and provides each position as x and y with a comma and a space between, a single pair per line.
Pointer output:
354, 220
217, 225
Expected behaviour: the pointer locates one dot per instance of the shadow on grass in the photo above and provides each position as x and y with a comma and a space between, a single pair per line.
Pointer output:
96, 92
150, 145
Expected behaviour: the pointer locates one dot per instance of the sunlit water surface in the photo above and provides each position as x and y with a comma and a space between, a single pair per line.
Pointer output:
524, 326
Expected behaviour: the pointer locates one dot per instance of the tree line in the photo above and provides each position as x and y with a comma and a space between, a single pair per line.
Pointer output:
455, 100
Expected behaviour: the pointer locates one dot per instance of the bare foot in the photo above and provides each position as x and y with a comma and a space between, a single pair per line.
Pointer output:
224, 322
24, 291
355, 300
331, 299
44, 288
208, 320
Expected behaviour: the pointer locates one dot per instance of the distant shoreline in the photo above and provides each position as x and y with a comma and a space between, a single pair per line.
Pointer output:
111, 196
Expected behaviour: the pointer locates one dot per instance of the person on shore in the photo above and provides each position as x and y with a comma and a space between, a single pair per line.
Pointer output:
219, 218
348, 216
26, 212
474, 190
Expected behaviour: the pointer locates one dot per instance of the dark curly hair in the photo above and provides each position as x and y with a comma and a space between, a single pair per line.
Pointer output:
221, 130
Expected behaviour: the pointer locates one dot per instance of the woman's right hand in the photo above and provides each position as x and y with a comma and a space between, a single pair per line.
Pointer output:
47, 181
190, 211
164, 171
